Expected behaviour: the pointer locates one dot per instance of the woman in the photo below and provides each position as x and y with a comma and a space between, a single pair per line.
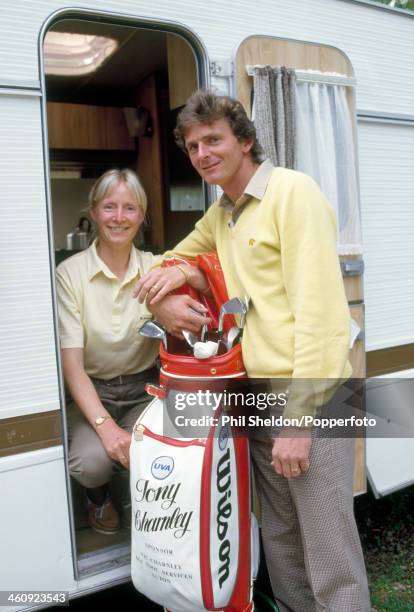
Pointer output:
106, 363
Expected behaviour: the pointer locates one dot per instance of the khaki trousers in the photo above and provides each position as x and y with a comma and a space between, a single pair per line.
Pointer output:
311, 543
89, 463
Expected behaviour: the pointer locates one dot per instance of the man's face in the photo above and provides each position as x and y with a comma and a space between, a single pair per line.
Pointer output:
216, 153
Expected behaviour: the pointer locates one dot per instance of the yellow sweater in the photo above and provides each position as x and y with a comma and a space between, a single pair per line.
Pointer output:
282, 253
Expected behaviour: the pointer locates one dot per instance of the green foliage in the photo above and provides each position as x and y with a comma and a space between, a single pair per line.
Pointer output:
386, 527
402, 4
391, 584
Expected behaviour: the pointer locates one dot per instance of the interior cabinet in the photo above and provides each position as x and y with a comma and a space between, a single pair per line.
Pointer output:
182, 71
150, 167
83, 126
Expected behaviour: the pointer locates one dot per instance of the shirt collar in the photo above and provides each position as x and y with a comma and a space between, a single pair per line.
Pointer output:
255, 188
96, 265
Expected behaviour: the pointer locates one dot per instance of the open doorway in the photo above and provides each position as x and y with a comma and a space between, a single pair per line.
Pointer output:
113, 91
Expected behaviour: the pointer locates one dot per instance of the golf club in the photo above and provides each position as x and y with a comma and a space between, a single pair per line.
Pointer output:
204, 331
232, 335
190, 338
243, 316
150, 329
234, 306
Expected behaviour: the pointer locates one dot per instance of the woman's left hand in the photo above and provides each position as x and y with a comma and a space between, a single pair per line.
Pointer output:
156, 284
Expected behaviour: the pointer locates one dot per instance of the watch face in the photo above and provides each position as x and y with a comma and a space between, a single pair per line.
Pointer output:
99, 421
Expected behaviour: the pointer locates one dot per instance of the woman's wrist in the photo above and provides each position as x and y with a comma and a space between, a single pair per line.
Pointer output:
194, 277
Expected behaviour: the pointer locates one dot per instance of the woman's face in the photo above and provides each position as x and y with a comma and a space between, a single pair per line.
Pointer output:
118, 217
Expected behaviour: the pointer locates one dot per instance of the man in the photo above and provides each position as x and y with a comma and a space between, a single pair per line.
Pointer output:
275, 236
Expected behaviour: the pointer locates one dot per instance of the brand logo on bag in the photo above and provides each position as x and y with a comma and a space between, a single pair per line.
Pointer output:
162, 467
223, 437
224, 510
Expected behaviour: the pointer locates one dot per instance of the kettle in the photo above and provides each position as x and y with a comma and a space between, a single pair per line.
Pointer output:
79, 239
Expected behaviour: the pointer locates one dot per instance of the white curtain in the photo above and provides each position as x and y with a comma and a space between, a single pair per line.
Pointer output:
325, 151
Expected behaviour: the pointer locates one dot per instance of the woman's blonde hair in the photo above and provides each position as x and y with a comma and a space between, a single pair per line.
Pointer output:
105, 183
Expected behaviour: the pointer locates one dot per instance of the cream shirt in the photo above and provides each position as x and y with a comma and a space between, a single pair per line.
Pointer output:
98, 313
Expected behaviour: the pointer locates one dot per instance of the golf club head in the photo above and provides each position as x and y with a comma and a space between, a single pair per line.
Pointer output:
243, 316
189, 337
150, 329
232, 335
234, 306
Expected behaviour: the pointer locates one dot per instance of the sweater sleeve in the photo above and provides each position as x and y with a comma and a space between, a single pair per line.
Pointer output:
316, 295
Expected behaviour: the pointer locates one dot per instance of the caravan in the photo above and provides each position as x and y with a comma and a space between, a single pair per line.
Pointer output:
62, 123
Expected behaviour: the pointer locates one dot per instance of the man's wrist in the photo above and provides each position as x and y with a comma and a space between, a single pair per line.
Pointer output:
294, 430
197, 279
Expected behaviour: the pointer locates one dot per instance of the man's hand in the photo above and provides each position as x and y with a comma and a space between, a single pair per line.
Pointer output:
290, 452
116, 441
178, 312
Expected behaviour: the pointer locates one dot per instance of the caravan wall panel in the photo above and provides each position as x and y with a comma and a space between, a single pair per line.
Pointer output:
28, 382
386, 153
378, 42
34, 530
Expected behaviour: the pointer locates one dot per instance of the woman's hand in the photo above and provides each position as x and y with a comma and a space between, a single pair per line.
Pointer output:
156, 284
116, 441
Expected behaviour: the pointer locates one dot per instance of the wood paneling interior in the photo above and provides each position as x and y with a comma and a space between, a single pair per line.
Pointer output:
354, 288
182, 70
392, 359
29, 433
360, 476
150, 166
82, 126
357, 359
357, 353
291, 53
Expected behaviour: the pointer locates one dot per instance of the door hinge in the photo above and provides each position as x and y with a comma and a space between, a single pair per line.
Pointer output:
352, 267
222, 68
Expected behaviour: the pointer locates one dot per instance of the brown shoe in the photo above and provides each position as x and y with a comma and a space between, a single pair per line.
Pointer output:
126, 516
103, 518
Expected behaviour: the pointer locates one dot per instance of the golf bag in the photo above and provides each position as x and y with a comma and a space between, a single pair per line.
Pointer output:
192, 524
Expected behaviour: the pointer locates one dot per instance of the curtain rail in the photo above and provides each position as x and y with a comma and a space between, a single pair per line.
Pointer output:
328, 78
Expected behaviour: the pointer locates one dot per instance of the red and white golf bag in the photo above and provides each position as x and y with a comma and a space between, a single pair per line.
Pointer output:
192, 524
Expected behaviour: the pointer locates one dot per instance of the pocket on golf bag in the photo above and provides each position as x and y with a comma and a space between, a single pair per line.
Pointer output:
191, 529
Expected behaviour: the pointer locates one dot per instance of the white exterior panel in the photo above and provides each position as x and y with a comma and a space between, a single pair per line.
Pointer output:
386, 157
372, 38
388, 401
28, 382
34, 526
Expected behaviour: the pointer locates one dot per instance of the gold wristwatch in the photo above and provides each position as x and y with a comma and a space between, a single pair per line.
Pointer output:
100, 420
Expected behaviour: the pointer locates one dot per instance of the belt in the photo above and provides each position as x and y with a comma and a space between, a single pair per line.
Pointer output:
124, 379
